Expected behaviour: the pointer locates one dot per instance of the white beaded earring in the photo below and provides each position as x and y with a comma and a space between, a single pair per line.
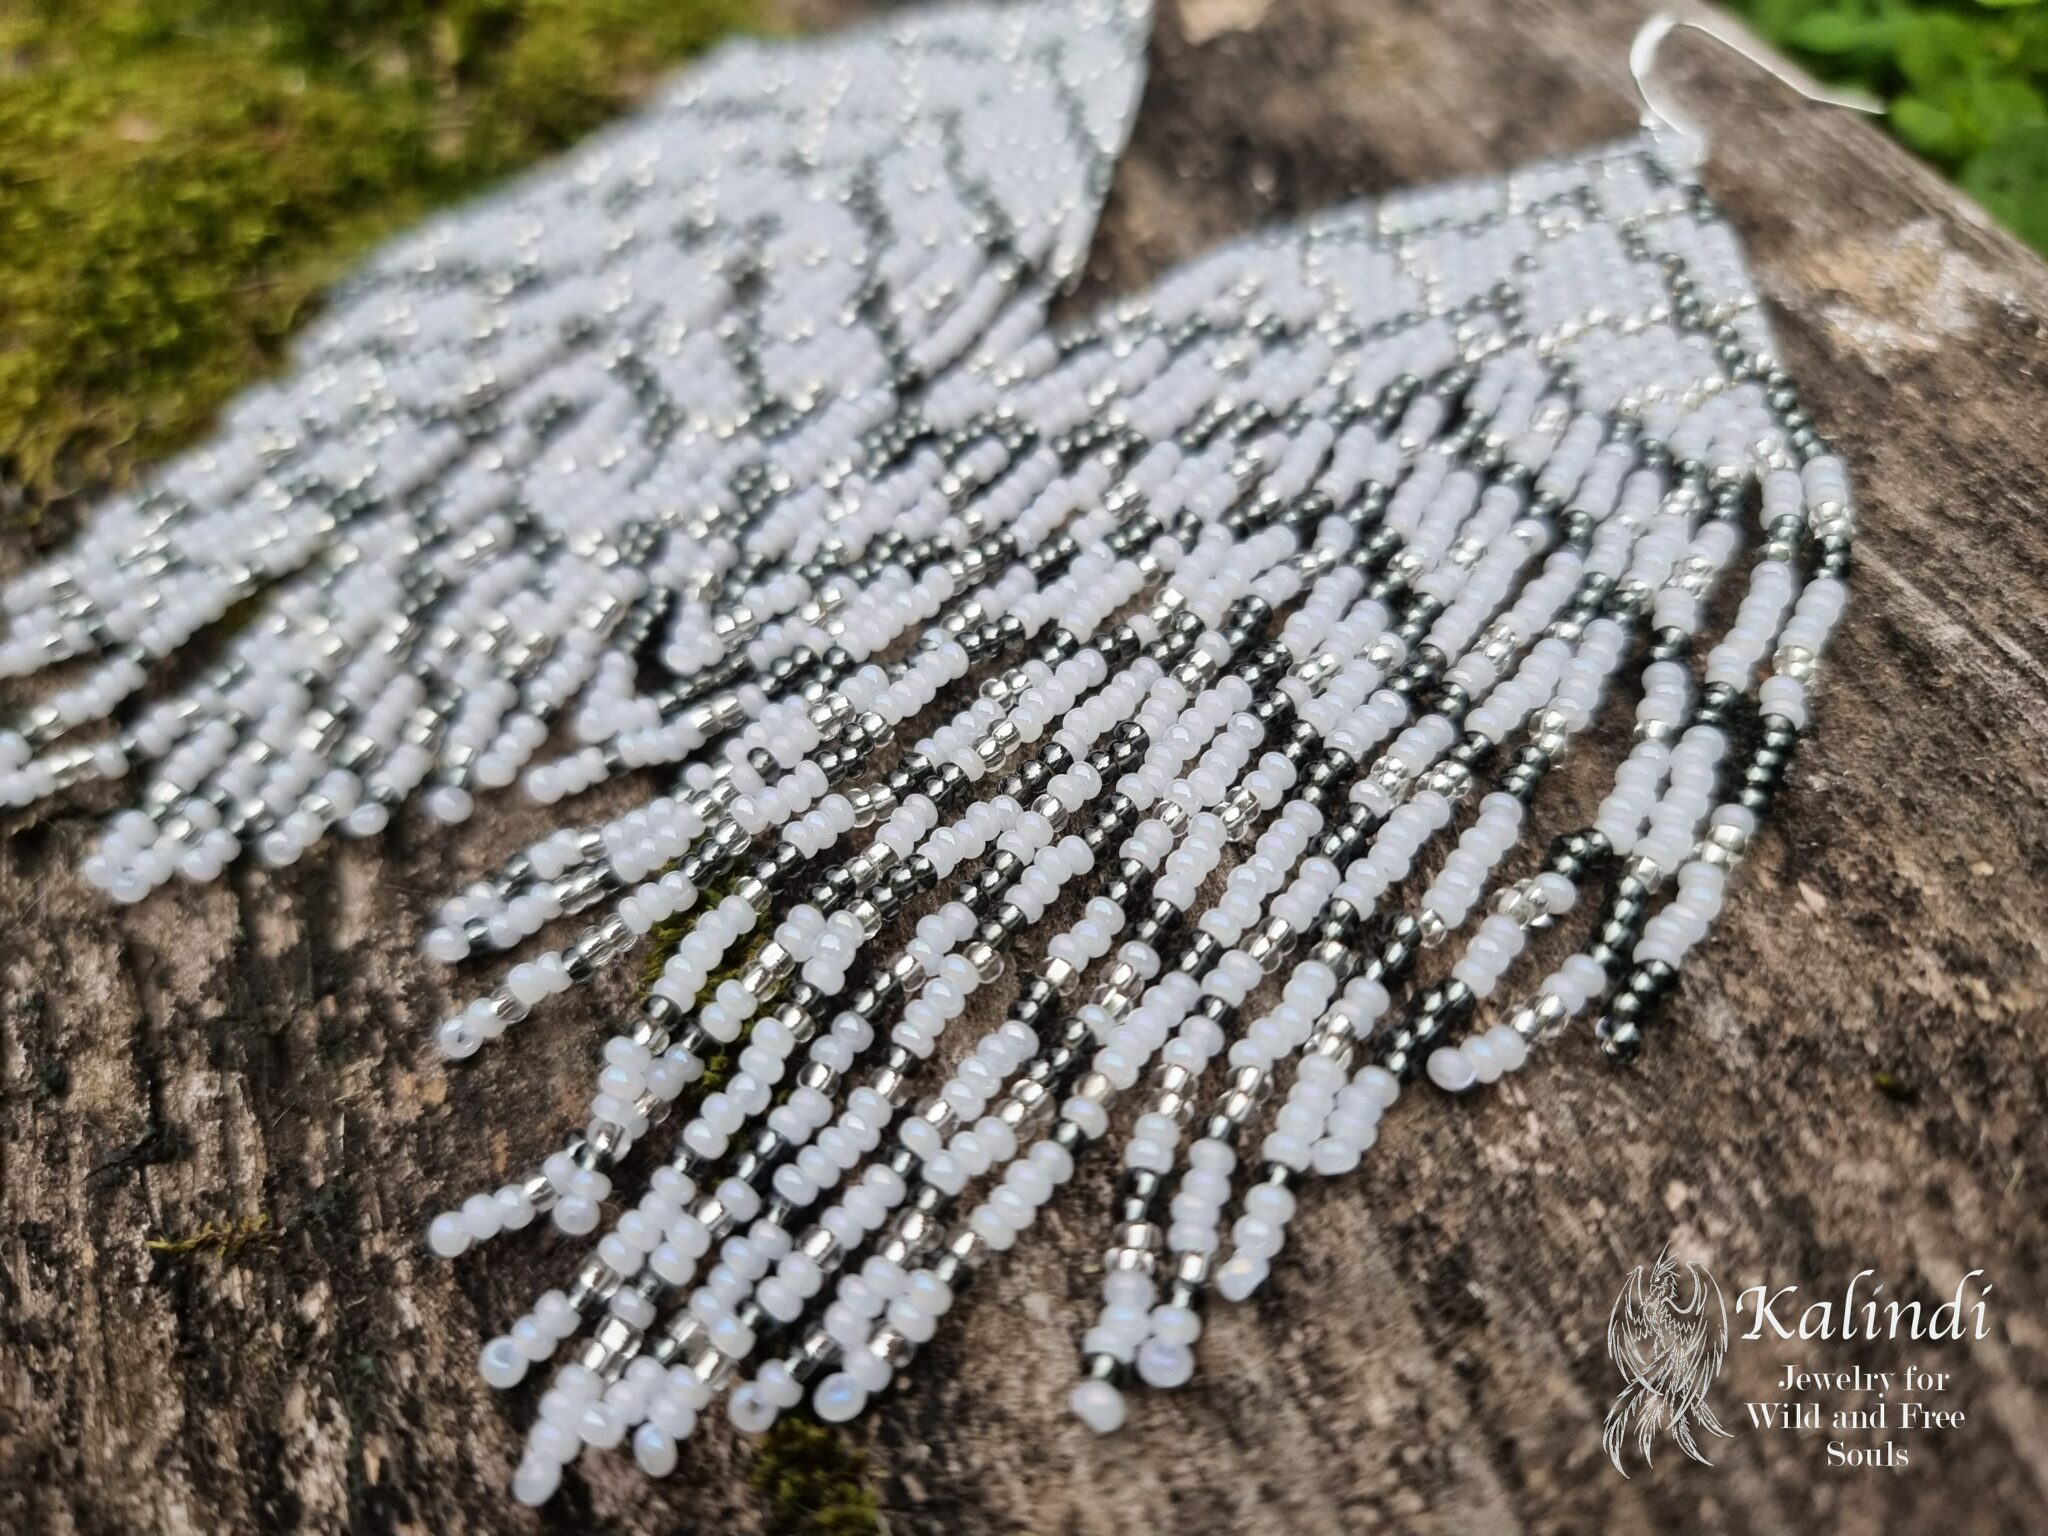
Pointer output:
1205, 663
1340, 529
607, 415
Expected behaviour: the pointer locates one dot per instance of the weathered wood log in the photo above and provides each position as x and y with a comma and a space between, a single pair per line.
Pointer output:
222, 1125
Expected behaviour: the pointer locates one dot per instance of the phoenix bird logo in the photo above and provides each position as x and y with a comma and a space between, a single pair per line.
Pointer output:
1668, 1349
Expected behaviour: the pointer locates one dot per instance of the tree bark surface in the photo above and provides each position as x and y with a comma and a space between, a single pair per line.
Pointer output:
1851, 1078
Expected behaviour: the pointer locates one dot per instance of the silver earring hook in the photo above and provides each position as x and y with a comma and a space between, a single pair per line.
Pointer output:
1663, 113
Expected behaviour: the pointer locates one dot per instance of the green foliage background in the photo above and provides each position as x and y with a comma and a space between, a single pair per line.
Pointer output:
180, 178
1965, 81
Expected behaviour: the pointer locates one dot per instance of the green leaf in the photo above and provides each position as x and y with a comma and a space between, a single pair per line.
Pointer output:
1940, 52
1995, 104
1843, 32
2010, 178
2028, 36
1776, 18
1931, 129
2006, 5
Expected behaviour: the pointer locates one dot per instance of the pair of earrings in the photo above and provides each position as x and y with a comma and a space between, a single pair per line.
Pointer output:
1154, 712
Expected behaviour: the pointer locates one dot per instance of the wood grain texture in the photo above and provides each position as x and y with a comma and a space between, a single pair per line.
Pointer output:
1430, 1355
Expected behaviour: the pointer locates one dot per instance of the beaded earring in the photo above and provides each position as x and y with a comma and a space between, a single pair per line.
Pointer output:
1152, 659
609, 411
1340, 529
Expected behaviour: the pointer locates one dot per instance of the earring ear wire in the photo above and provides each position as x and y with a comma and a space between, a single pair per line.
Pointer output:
1664, 115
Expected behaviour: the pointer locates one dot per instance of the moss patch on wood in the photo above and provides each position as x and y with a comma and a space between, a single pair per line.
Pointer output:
179, 179
226, 1238
814, 1484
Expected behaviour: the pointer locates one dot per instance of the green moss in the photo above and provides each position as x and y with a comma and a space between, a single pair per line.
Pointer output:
178, 181
814, 1483
226, 1238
